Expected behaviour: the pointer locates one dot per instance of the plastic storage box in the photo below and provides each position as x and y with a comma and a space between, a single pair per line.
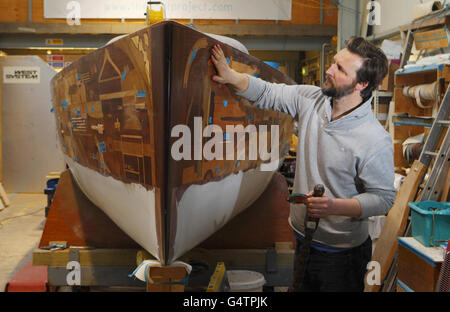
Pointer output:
430, 222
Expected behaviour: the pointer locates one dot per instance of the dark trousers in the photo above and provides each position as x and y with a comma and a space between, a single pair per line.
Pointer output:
336, 271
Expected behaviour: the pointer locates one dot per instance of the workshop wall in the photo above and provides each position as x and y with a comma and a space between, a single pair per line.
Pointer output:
304, 12
394, 14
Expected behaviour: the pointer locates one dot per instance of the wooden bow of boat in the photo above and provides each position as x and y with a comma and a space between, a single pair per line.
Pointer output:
120, 113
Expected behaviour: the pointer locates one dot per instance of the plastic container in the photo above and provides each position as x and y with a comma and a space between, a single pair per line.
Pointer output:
245, 281
430, 222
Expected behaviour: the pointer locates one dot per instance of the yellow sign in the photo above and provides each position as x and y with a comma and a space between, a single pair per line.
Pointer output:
54, 42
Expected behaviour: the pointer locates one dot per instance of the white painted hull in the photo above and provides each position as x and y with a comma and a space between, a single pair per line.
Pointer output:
129, 205
206, 208
201, 211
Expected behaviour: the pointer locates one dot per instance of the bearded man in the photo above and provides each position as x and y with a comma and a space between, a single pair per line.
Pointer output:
342, 146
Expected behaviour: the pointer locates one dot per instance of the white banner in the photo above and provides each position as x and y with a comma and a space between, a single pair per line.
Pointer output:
174, 9
21, 74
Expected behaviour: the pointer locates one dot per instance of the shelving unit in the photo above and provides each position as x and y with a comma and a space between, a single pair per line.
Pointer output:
407, 118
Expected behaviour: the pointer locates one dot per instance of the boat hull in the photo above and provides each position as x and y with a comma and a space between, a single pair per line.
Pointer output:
116, 110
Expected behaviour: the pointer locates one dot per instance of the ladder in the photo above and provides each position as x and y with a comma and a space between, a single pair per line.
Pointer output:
434, 185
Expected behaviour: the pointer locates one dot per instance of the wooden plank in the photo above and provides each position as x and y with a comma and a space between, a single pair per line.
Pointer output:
13, 10
270, 30
239, 257
434, 19
129, 257
446, 188
395, 223
87, 257
412, 79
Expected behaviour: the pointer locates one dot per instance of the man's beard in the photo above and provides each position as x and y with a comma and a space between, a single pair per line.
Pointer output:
340, 92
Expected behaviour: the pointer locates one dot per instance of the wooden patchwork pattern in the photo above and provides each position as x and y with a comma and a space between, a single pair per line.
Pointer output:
104, 106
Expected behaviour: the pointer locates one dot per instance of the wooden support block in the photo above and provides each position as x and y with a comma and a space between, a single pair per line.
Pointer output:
87, 257
395, 223
163, 277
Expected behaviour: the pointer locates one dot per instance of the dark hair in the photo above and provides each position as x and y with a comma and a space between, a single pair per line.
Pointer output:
374, 68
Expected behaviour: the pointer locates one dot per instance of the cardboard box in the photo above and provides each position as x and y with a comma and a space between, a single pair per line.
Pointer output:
388, 82
432, 39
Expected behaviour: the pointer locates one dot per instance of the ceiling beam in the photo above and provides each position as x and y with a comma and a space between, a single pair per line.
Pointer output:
126, 28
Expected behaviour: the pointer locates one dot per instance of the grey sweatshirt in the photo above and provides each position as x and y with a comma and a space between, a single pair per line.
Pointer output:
352, 157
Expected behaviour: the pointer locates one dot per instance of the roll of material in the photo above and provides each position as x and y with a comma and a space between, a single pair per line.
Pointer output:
423, 9
422, 92
412, 147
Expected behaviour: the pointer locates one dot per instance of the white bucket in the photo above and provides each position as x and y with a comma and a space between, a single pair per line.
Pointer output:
245, 281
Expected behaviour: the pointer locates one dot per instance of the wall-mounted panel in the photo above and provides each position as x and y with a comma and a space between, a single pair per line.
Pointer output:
174, 9
28, 127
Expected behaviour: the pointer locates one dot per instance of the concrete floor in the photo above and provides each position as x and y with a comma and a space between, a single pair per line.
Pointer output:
21, 226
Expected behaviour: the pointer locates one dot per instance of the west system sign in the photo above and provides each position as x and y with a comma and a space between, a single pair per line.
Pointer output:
174, 9
21, 74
